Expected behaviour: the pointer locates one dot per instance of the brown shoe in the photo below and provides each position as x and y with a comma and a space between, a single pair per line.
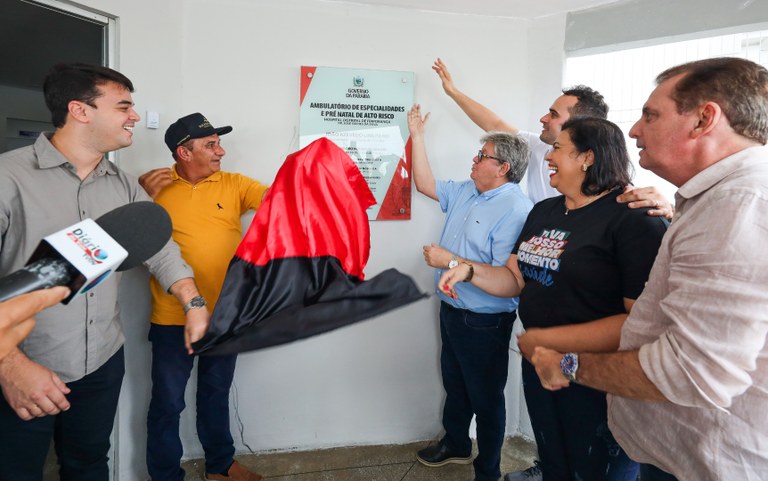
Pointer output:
237, 472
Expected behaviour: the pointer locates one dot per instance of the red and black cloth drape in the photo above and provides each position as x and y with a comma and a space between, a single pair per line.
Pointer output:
299, 270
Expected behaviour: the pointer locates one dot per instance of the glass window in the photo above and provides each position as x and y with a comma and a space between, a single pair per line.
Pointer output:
626, 77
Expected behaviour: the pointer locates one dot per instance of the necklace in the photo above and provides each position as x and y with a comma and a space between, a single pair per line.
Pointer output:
586, 202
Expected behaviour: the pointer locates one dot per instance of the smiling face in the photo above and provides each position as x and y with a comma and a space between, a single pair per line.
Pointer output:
565, 163
201, 159
559, 113
111, 121
663, 134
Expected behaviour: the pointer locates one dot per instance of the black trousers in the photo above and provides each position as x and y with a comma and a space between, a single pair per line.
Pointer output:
572, 435
474, 362
80, 435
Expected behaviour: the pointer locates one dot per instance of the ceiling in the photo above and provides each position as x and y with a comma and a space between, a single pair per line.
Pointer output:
528, 9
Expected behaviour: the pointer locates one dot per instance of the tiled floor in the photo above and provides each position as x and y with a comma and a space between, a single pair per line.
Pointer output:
366, 463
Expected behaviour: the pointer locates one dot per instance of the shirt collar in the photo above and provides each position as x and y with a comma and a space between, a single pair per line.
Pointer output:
49, 157
215, 177
716, 172
489, 194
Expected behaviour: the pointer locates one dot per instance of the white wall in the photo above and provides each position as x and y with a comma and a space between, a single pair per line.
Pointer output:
237, 61
377, 382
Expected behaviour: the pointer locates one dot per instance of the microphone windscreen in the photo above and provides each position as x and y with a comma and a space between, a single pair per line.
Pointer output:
141, 228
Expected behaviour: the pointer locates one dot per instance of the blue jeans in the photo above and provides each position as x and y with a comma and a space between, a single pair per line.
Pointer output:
572, 435
80, 434
649, 472
474, 363
171, 367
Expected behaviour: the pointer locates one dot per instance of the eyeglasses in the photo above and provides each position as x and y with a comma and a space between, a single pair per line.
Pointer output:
481, 156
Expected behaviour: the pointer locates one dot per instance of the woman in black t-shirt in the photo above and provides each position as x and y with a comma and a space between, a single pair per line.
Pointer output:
579, 264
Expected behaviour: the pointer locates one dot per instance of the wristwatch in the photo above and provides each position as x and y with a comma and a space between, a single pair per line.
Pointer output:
195, 303
453, 262
569, 364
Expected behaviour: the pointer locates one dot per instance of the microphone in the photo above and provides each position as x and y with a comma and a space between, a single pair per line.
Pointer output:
84, 254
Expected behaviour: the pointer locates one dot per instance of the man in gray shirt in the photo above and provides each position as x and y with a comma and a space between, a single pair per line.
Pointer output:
63, 382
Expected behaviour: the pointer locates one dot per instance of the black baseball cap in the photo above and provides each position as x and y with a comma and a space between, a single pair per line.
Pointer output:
192, 126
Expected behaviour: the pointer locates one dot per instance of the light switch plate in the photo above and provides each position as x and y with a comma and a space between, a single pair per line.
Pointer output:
153, 120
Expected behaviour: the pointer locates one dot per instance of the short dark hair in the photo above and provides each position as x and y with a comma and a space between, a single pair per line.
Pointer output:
738, 86
189, 144
590, 102
66, 82
511, 148
611, 168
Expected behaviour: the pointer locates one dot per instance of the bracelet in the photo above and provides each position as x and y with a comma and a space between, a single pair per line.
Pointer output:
471, 271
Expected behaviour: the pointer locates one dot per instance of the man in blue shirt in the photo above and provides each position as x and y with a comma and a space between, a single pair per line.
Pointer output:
484, 216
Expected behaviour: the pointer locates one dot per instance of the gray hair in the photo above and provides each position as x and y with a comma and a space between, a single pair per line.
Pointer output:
512, 149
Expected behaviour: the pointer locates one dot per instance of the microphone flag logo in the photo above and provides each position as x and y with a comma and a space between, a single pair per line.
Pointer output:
93, 252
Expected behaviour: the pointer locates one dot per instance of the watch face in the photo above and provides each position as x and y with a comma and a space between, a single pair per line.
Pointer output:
197, 302
453, 263
569, 364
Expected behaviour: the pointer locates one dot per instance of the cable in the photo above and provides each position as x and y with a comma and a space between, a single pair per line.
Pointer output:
240, 426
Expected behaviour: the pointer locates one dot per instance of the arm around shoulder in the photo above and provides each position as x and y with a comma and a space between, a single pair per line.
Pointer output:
154, 181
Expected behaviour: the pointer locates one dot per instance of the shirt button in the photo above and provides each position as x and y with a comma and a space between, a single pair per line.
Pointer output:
91, 294
90, 322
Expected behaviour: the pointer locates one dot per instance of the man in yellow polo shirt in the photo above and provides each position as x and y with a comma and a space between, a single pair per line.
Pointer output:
205, 205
